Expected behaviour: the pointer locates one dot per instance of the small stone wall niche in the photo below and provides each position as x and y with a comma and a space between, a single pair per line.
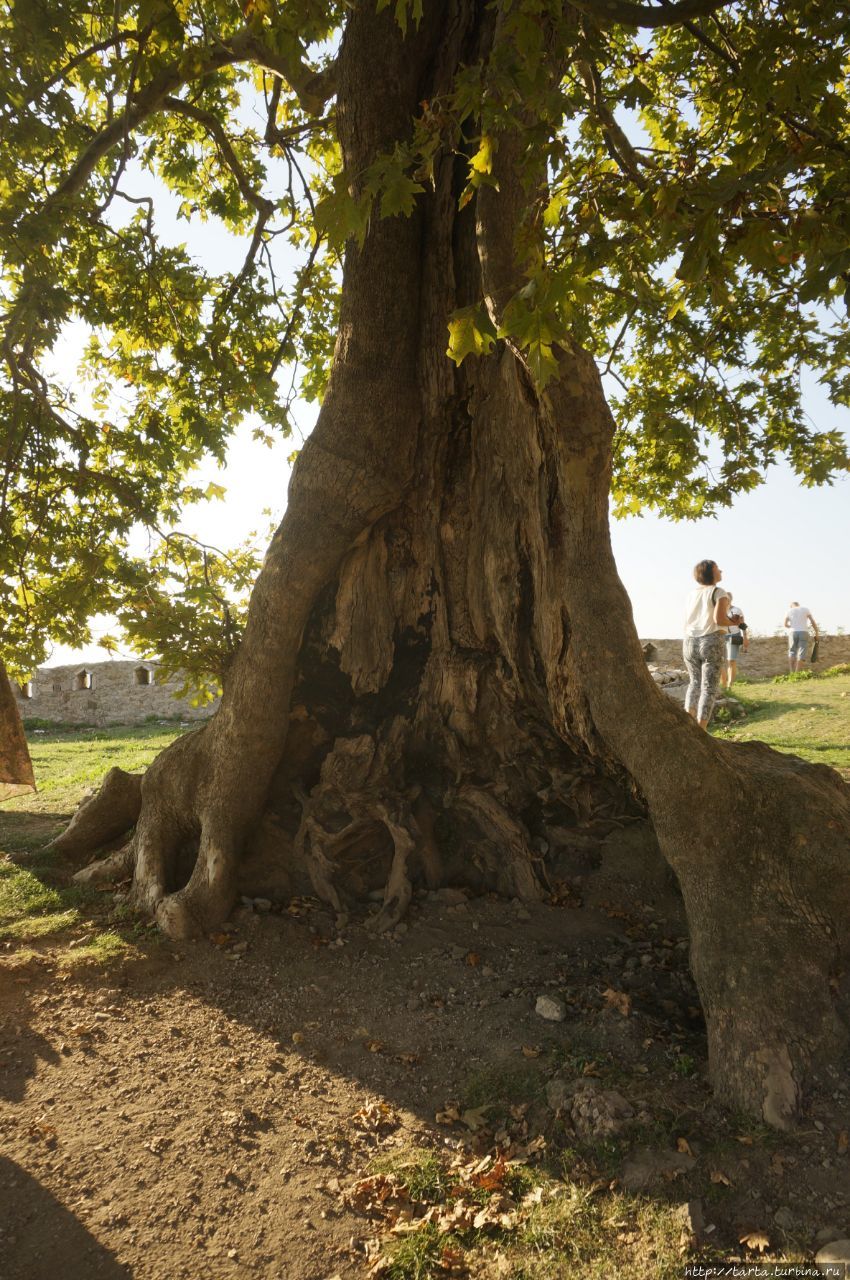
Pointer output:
101, 693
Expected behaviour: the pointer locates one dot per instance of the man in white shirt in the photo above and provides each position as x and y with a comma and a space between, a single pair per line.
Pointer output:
797, 621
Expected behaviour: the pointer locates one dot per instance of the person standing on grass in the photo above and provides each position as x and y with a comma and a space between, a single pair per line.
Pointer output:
737, 642
704, 647
797, 621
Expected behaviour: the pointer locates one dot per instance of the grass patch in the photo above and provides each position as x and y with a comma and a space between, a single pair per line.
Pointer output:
567, 1225
102, 948
70, 761
499, 1088
579, 1235
23, 894
805, 714
418, 1255
35, 905
422, 1172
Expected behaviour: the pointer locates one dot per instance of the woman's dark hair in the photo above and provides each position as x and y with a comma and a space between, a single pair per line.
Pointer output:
704, 572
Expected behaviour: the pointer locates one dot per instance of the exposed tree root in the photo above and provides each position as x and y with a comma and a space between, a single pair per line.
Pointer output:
103, 817
113, 869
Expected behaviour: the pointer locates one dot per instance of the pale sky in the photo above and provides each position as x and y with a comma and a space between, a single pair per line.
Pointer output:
778, 543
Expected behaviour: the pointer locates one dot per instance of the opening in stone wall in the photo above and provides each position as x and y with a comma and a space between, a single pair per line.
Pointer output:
26, 688
143, 675
83, 680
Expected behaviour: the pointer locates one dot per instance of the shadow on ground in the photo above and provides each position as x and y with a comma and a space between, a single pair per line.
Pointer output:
40, 1238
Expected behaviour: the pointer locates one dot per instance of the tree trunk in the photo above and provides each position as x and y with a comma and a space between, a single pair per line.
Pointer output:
440, 676
16, 775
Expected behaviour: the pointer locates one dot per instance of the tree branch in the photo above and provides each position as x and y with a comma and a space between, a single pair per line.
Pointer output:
312, 88
619, 148
110, 42
640, 15
216, 129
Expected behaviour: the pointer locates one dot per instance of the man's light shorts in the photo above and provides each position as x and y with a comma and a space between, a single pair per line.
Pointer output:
798, 644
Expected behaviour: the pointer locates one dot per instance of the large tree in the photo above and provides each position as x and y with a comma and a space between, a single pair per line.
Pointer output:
439, 669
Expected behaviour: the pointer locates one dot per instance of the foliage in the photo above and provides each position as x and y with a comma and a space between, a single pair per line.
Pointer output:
188, 601
37, 905
809, 718
687, 220
68, 762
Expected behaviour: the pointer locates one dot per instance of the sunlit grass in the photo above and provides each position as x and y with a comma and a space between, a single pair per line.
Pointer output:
39, 911
809, 718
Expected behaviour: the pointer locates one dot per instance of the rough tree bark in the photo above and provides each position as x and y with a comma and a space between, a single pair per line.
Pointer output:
440, 675
16, 775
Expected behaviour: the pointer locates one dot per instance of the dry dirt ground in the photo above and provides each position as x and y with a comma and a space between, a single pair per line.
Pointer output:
293, 1102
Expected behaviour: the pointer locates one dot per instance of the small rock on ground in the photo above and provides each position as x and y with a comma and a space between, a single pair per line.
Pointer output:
837, 1251
551, 1008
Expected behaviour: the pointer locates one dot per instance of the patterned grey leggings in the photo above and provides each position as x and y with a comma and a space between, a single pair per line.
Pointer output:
704, 657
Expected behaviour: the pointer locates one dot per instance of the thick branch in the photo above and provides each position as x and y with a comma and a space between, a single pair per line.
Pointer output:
620, 149
313, 88
216, 129
111, 42
640, 15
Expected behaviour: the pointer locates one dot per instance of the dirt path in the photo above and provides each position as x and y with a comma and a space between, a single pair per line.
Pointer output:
209, 1112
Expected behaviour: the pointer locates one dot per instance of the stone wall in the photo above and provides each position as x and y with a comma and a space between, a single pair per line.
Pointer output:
128, 692
767, 656
102, 693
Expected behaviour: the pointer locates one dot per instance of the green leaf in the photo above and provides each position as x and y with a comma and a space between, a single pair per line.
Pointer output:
471, 333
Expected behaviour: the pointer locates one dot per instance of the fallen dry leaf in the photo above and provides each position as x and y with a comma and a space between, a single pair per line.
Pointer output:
756, 1240
375, 1115
490, 1177
449, 1115
745, 1140
842, 1142
39, 1128
531, 1148
684, 1146
453, 1261
719, 1177
378, 1194
531, 1051
473, 959
618, 1000
374, 1046
475, 1118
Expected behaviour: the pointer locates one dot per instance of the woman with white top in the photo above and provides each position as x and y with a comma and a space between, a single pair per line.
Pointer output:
704, 648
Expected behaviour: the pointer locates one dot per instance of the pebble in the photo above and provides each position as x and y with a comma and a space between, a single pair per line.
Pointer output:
837, 1251
453, 897
551, 1008
262, 904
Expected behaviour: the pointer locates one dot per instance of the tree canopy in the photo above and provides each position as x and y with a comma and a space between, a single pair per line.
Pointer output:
687, 221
